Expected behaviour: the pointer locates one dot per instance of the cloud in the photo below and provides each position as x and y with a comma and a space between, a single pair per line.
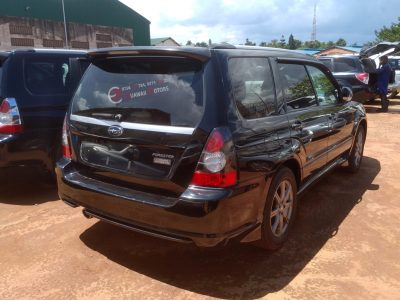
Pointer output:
262, 20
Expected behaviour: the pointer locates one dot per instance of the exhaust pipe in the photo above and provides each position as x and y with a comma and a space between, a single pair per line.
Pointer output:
87, 214
70, 203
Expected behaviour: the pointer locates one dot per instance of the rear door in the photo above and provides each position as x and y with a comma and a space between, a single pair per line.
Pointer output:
309, 122
134, 121
340, 114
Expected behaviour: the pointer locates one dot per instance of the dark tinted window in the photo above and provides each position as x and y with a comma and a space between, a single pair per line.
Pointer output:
328, 63
46, 75
324, 88
297, 87
253, 86
346, 64
159, 91
1, 75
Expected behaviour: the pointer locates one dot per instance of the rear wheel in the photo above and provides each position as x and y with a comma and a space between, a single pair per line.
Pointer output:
280, 210
357, 152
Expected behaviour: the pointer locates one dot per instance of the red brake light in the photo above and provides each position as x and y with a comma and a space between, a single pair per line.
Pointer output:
65, 142
10, 119
363, 77
217, 164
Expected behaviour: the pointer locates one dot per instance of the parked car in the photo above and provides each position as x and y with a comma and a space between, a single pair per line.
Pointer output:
205, 145
35, 87
350, 71
394, 88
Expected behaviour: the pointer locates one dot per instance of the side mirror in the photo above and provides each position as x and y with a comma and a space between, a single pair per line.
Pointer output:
347, 93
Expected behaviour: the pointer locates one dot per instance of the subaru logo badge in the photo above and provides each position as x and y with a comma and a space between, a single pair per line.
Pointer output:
115, 130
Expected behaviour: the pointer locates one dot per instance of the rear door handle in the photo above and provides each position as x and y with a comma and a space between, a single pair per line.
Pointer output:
297, 125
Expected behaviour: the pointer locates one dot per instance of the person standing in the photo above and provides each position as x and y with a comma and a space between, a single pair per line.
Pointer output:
383, 71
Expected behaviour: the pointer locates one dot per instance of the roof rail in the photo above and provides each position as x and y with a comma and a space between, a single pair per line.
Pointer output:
222, 46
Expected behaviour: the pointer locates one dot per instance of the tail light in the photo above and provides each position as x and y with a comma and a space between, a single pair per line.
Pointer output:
217, 164
65, 142
10, 119
363, 77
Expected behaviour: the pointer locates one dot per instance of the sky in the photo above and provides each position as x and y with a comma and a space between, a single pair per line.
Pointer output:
233, 21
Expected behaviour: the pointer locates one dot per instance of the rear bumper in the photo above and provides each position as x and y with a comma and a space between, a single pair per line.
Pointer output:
207, 217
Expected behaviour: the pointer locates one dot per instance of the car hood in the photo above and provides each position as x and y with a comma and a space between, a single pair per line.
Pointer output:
383, 48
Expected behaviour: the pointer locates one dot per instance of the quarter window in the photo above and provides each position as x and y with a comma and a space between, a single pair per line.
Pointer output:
46, 76
324, 88
297, 87
253, 86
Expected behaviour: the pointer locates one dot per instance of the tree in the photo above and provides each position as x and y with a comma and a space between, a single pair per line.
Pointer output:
189, 43
282, 41
249, 43
201, 44
273, 43
263, 44
391, 34
341, 42
293, 43
330, 44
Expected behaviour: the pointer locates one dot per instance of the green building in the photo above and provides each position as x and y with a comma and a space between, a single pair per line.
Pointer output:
90, 24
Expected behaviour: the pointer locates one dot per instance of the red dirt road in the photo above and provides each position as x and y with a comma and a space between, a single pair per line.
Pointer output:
346, 243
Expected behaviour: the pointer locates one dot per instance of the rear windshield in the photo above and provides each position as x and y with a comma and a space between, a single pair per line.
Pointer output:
394, 63
148, 90
347, 64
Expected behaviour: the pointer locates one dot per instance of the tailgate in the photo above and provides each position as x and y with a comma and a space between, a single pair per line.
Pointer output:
133, 121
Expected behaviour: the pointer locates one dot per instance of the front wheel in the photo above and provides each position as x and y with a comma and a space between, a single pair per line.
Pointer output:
357, 152
280, 210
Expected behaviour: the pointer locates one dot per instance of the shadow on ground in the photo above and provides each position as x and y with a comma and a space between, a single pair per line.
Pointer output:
241, 271
374, 105
26, 186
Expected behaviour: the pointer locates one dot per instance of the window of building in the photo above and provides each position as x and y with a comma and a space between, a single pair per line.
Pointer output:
22, 42
104, 45
298, 90
103, 37
253, 86
79, 45
53, 43
20, 29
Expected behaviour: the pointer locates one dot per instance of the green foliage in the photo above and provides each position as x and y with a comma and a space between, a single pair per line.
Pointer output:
341, 42
390, 34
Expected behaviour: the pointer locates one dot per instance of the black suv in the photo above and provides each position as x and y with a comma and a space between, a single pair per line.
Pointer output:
35, 88
204, 145
355, 73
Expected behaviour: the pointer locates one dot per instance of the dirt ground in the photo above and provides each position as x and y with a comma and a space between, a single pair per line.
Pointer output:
346, 243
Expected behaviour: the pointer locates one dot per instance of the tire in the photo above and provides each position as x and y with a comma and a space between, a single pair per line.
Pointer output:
357, 151
278, 217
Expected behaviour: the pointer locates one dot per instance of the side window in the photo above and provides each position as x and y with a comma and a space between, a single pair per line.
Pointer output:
253, 86
324, 88
298, 90
46, 76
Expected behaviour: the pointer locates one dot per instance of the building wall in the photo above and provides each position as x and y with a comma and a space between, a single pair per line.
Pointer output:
110, 13
18, 32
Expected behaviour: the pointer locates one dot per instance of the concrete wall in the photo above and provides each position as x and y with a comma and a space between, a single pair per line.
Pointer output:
19, 32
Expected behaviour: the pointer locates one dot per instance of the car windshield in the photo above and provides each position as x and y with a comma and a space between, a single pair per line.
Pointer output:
346, 64
148, 90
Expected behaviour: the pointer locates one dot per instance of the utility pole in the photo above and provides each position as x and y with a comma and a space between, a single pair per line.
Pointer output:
314, 28
65, 25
